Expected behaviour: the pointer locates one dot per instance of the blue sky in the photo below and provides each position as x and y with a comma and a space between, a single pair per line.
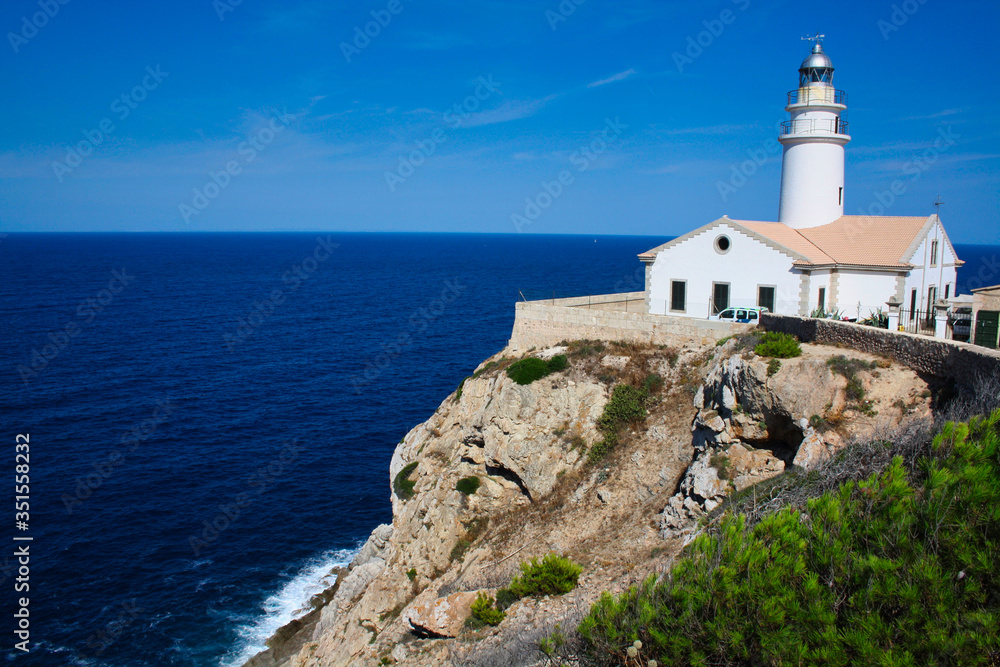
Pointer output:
279, 116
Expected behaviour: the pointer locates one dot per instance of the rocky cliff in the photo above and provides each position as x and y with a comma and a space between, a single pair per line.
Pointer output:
721, 420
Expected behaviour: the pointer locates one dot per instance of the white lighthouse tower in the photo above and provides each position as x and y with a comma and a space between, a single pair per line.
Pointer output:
812, 163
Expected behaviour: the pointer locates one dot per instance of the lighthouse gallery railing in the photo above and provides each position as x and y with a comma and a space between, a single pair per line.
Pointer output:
814, 126
817, 95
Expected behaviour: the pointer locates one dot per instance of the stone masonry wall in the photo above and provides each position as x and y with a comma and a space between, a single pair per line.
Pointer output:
544, 323
948, 359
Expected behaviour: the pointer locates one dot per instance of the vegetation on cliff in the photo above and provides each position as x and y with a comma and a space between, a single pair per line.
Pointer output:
895, 569
529, 369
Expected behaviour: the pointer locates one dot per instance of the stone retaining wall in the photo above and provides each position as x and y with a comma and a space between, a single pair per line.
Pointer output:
546, 323
948, 359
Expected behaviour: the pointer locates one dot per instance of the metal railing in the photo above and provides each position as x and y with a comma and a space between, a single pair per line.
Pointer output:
814, 126
817, 95
917, 321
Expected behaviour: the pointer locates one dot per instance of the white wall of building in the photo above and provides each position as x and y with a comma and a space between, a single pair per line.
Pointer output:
940, 274
869, 288
819, 279
747, 264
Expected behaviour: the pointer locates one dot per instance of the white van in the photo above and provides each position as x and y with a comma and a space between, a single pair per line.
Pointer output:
749, 315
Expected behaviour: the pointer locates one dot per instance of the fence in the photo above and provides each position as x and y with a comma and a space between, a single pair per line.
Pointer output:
917, 321
630, 302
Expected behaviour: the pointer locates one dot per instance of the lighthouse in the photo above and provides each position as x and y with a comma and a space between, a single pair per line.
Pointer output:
813, 139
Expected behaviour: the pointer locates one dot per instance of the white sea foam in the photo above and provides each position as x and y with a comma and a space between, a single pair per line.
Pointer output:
291, 601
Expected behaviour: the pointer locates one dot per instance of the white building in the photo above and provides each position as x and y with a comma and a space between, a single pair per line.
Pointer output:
814, 257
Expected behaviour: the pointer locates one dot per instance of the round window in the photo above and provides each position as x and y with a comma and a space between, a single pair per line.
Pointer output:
723, 244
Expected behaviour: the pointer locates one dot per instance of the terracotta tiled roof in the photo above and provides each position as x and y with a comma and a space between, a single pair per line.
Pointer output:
850, 240
869, 240
786, 236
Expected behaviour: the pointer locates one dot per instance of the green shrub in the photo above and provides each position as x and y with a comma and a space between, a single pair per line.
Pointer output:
473, 529
529, 369
403, 485
625, 406
777, 344
484, 611
411, 574
849, 368
468, 485
721, 465
505, 598
722, 341
550, 575
602, 447
652, 384
773, 366
891, 570
558, 363
458, 392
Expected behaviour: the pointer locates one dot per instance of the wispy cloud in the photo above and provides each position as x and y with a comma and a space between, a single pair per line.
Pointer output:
508, 111
708, 129
940, 114
621, 76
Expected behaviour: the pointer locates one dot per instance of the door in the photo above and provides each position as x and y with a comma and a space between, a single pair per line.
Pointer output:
986, 328
720, 297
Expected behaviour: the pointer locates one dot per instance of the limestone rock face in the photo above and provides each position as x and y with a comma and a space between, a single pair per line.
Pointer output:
748, 467
411, 586
367, 565
443, 617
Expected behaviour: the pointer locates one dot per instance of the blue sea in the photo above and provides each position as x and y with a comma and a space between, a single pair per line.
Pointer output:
211, 416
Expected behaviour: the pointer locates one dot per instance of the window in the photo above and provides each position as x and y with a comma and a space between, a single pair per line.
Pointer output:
913, 303
765, 297
931, 298
840, 192
678, 295
947, 291
720, 297
751, 315
934, 249
722, 244
821, 302
742, 315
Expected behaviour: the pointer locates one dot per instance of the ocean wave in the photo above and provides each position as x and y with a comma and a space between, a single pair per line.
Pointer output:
289, 602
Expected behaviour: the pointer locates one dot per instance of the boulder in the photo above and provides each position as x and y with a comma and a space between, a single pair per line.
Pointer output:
443, 617
751, 466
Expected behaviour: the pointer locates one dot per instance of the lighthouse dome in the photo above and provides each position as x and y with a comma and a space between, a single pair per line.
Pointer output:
817, 59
